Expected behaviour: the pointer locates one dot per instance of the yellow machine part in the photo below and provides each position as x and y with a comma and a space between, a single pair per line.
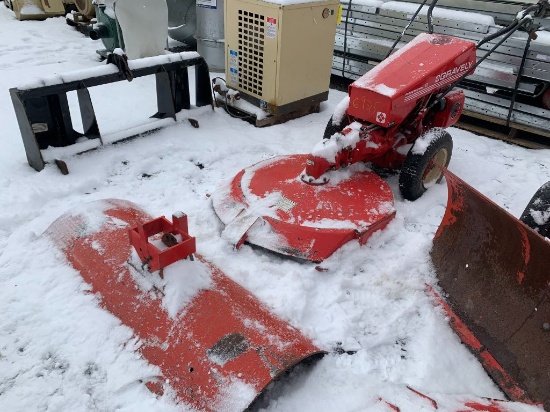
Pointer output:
38, 9
85, 8
56, 7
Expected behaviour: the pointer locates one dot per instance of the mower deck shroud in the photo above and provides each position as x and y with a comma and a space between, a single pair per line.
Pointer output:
268, 205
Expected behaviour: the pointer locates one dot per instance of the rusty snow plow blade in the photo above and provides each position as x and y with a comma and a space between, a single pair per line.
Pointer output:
269, 205
216, 345
402, 398
495, 275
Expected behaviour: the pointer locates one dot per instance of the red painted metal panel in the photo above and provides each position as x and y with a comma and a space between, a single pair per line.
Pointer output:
219, 351
387, 94
304, 220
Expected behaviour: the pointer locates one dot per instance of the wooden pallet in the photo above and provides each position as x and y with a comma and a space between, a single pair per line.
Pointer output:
495, 128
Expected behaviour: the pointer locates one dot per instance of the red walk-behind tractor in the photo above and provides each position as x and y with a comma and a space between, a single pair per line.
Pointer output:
395, 118
405, 100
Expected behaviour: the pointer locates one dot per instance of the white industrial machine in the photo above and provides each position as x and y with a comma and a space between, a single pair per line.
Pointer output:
144, 25
279, 56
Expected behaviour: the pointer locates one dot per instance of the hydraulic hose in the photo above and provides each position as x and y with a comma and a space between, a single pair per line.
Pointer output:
516, 24
430, 18
520, 72
409, 25
348, 11
98, 31
506, 32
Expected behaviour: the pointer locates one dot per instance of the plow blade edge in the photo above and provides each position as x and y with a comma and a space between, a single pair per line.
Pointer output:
494, 272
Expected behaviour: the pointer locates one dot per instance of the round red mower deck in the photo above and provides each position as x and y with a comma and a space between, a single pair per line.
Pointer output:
268, 205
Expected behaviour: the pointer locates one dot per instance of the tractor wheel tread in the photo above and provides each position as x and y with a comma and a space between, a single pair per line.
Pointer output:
413, 170
537, 212
334, 128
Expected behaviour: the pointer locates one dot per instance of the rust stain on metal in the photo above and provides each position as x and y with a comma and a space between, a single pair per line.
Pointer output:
494, 271
227, 348
423, 395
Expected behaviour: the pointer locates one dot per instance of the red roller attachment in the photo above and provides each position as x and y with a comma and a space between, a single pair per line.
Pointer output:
216, 346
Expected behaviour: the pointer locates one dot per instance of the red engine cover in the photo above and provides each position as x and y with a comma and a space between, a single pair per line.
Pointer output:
389, 92
454, 104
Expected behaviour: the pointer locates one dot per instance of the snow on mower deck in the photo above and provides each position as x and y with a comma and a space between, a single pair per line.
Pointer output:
268, 205
215, 344
494, 272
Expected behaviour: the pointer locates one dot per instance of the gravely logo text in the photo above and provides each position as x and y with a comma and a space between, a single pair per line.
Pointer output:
457, 70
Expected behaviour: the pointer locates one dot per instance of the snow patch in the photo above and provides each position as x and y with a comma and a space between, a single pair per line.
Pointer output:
540, 217
368, 3
60, 351
234, 395
29, 8
340, 111
457, 15
424, 141
328, 148
180, 283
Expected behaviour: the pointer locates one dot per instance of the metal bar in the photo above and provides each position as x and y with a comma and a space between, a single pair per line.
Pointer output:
502, 80
203, 87
388, 18
61, 114
498, 107
43, 113
180, 89
32, 150
396, 21
359, 7
87, 114
438, 21
430, 24
109, 76
505, 9
537, 65
165, 100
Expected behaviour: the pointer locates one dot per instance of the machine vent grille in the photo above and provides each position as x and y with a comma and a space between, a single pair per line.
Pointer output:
251, 51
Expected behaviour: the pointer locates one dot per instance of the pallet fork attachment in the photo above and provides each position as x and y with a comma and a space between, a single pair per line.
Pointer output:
42, 107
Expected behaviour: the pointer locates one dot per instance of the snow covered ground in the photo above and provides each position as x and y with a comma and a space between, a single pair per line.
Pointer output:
59, 351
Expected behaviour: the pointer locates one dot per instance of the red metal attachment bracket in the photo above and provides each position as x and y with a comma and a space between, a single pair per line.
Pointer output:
174, 248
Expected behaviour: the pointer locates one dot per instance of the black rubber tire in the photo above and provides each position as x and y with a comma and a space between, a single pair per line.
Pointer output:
334, 128
420, 170
70, 22
539, 204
